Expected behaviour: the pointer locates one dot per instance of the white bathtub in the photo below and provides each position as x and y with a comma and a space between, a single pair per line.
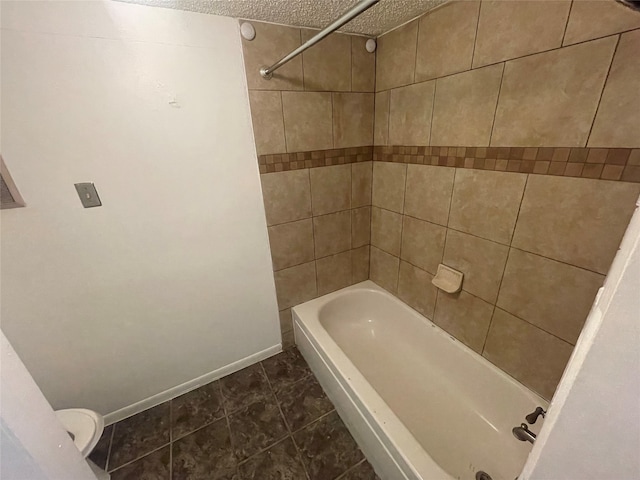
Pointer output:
420, 404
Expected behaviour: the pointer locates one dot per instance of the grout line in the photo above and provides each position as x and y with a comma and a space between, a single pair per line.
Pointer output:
433, 107
286, 424
171, 438
333, 130
284, 125
141, 456
515, 224
388, 142
566, 25
604, 85
350, 469
415, 58
495, 111
351, 64
475, 38
302, 60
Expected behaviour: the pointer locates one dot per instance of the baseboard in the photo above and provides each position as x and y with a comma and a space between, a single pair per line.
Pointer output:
186, 387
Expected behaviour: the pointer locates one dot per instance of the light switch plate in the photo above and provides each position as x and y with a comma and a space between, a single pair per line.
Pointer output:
88, 195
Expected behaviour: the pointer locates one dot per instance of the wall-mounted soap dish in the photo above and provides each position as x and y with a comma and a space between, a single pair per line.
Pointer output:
448, 279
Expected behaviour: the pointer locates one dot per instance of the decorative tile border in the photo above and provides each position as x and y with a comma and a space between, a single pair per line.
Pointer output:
317, 158
604, 163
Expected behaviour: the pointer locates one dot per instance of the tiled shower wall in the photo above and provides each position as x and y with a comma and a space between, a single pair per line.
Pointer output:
546, 90
316, 111
534, 249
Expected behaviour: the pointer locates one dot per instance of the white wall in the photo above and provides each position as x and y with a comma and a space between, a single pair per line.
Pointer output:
592, 430
171, 278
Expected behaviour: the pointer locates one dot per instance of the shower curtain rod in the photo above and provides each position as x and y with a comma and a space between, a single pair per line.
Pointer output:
357, 9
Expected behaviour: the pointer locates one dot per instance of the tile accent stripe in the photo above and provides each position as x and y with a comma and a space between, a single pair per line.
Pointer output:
315, 158
596, 163
621, 164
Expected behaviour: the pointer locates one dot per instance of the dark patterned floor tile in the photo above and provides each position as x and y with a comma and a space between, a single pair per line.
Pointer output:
256, 427
136, 436
205, 454
154, 466
327, 448
303, 402
362, 471
280, 462
243, 388
286, 368
195, 409
100, 452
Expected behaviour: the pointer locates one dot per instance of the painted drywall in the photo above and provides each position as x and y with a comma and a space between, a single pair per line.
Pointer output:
170, 279
592, 430
33, 443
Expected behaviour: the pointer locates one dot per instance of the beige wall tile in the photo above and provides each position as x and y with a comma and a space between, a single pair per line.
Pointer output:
363, 66
334, 272
386, 228
410, 114
352, 119
618, 117
268, 122
428, 194
576, 221
291, 243
591, 19
513, 29
327, 67
550, 99
384, 269
551, 295
286, 321
288, 339
388, 185
332, 233
272, 42
396, 57
481, 261
465, 317
360, 227
445, 40
464, 107
416, 290
295, 285
330, 189
509, 346
381, 127
360, 264
486, 203
422, 243
308, 121
361, 177
286, 195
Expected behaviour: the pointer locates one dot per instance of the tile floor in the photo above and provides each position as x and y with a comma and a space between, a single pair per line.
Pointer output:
269, 421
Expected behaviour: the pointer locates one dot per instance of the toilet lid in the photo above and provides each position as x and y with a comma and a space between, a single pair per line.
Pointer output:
86, 426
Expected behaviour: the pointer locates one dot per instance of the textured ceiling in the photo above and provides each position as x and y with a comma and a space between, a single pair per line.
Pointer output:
380, 18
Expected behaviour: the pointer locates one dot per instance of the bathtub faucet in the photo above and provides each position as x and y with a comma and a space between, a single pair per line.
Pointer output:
533, 416
523, 433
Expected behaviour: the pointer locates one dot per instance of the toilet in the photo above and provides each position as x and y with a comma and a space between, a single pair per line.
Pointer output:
85, 428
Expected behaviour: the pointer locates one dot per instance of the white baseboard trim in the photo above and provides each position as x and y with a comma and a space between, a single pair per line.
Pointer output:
186, 387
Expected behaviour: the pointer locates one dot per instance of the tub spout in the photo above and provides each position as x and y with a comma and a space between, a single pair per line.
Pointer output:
523, 433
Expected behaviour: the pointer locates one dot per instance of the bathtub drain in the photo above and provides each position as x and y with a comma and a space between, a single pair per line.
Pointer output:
483, 476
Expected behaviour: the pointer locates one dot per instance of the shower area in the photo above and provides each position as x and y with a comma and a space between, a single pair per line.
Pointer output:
333, 175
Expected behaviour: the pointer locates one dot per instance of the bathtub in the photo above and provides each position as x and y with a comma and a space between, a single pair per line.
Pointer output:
420, 404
